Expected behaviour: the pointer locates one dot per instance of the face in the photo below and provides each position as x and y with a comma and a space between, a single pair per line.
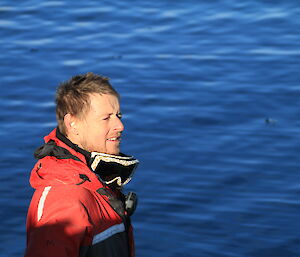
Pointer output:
100, 129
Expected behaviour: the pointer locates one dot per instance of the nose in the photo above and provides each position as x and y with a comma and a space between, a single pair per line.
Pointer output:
118, 126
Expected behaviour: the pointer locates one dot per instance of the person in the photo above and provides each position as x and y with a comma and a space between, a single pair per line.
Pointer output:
78, 207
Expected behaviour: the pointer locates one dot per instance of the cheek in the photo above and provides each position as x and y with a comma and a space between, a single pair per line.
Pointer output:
100, 136
97, 134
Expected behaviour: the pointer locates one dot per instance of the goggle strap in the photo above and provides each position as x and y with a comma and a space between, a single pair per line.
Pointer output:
119, 181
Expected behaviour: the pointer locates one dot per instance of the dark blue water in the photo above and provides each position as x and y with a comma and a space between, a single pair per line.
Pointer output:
210, 92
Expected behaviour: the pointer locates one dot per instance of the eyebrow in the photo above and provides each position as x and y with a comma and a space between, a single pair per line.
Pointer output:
109, 114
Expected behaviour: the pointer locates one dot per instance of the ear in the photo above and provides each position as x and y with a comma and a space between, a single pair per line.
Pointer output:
70, 124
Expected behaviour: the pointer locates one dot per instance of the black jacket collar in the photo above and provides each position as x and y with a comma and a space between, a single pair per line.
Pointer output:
69, 143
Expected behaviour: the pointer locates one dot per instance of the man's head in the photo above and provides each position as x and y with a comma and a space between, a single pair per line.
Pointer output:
88, 113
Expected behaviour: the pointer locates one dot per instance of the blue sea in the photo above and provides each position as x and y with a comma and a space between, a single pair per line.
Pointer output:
211, 103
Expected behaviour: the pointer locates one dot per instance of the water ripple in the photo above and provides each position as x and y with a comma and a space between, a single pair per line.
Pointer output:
210, 95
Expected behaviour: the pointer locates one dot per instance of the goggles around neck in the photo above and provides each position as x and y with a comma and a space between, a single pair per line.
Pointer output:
114, 170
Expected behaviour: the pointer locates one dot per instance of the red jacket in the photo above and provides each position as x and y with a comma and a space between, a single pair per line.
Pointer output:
69, 215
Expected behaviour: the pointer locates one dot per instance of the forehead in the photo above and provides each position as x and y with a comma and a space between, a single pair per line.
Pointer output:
104, 103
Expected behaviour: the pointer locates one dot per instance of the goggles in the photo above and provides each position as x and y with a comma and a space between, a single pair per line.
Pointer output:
114, 170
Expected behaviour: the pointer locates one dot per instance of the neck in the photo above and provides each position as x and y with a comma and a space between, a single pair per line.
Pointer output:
69, 143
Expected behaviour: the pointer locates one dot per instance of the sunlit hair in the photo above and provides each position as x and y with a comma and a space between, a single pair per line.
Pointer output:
73, 96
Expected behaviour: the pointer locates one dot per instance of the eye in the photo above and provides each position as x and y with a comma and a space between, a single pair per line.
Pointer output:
119, 115
106, 118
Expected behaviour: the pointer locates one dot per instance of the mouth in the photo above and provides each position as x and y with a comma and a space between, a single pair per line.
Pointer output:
114, 139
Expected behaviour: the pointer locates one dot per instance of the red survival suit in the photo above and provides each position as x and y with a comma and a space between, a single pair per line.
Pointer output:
71, 212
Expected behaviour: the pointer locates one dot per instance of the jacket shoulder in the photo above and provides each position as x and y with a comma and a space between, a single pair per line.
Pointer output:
60, 203
60, 219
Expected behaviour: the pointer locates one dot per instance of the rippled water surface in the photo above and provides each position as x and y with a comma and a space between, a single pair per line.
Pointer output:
210, 92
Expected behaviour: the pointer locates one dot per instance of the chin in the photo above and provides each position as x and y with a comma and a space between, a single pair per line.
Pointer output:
116, 152
110, 150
